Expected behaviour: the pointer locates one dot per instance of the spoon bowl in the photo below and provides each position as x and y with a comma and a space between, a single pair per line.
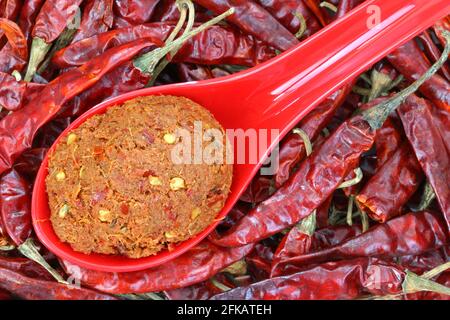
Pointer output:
275, 96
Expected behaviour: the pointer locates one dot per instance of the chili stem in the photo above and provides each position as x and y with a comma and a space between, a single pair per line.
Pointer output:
436, 271
359, 175
147, 62
377, 115
29, 250
427, 198
302, 28
220, 285
39, 49
239, 268
306, 140
351, 200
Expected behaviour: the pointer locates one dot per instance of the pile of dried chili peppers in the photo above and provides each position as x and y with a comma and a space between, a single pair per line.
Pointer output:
359, 207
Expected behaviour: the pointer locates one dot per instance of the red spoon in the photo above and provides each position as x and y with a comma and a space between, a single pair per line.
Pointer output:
274, 95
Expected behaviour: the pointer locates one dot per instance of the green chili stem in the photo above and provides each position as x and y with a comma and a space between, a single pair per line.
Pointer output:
63, 41
351, 200
359, 175
306, 140
377, 115
39, 49
302, 28
328, 5
380, 84
239, 268
308, 225
147, 62
427, 197
29, 250
220, 285
436, 271
413, 283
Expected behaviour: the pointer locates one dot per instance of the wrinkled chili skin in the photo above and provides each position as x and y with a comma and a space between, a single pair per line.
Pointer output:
14, 55
428, 147
259, 262
15, 206
293, 150
28, 15
286, 11
14, 94
167, 11
348, 279
29, 162
97, 18
196, 265
385, 194
259, 189
441, 119
216, 45
25, 267
410, 61
18, 129
317, 177
410, 234
34, 289
388, 140
123, 79
193, 72
135, 12
296, 243
255, 20
53, 18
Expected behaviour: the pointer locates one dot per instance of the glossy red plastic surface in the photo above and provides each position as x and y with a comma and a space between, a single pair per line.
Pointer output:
274, 95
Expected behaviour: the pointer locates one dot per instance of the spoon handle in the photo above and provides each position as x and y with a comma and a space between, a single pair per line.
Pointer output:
285, 89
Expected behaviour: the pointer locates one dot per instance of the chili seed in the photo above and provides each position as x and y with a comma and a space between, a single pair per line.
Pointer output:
169, 138
177, 184
63, 211
71, 139
155, 181
195, 213
60, 176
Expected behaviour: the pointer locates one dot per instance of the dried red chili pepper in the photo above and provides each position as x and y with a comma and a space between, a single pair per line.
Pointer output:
97, 18
14, 93
29, 162
49, 24
439, 27
15, 205
297, 243
5, 295
17, 131
9, 9
443, 279
135, 12
429, 148
290, 13
433, 53
27, 17
260, 188
423, 262
385, 194
255, 20
199, 291
167, 11
320, 13
345, 6
410, 61
14, 55
334, 280
25, 267
198, 264
260, 261
441, 119
235, 48
410, 234
293, 150
33, 289
389, 139
193, 72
